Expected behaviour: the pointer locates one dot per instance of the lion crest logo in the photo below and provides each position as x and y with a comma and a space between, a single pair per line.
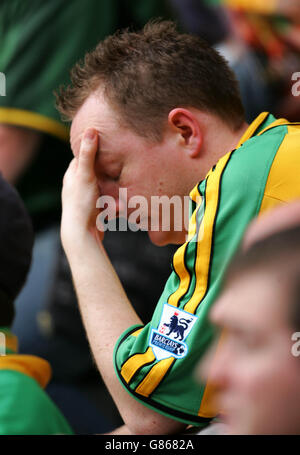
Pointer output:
168, 339
178, 326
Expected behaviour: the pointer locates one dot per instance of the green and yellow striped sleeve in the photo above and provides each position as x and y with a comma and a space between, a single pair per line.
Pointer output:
155, 363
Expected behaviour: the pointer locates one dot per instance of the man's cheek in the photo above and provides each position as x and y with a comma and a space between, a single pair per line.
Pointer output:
243, 380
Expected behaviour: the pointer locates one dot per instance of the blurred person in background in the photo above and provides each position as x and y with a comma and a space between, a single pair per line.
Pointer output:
279, 218
255, 365
25, 407
202, 19
285, 217
211, 21
40, 42
270, 30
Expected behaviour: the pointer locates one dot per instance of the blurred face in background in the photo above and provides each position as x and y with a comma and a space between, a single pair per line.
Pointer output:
254, 369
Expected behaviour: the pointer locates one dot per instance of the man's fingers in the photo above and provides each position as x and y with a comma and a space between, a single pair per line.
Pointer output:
71, 169
87, 153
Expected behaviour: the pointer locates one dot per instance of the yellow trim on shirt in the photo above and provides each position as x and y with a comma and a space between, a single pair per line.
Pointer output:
205, 235
137, 332
252, 128
283, 185
178, 259
135, 362
27, 119
154, 377
254, 6
39, 369
280, 121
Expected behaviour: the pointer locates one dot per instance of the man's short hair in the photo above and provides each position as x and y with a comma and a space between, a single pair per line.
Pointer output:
148, 73
278, 252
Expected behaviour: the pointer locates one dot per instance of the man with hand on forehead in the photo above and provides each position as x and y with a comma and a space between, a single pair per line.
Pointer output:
158, 113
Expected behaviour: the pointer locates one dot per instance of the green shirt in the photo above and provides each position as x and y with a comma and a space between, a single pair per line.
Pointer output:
25, 408
155, 363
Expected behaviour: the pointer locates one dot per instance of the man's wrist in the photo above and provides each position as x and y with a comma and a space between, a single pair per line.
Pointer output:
79, 244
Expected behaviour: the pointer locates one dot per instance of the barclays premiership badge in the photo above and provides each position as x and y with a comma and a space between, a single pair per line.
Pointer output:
174, 327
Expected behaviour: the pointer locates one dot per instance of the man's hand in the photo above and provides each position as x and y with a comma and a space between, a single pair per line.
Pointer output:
101, 297
79, 196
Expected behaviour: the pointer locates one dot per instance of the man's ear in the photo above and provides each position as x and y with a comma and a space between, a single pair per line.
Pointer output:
185, 123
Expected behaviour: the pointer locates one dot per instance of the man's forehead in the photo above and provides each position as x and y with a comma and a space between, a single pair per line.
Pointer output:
247, 302
94, 113
281, 218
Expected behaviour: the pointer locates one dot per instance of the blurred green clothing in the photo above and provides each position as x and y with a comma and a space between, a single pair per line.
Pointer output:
40, 42
25, 408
